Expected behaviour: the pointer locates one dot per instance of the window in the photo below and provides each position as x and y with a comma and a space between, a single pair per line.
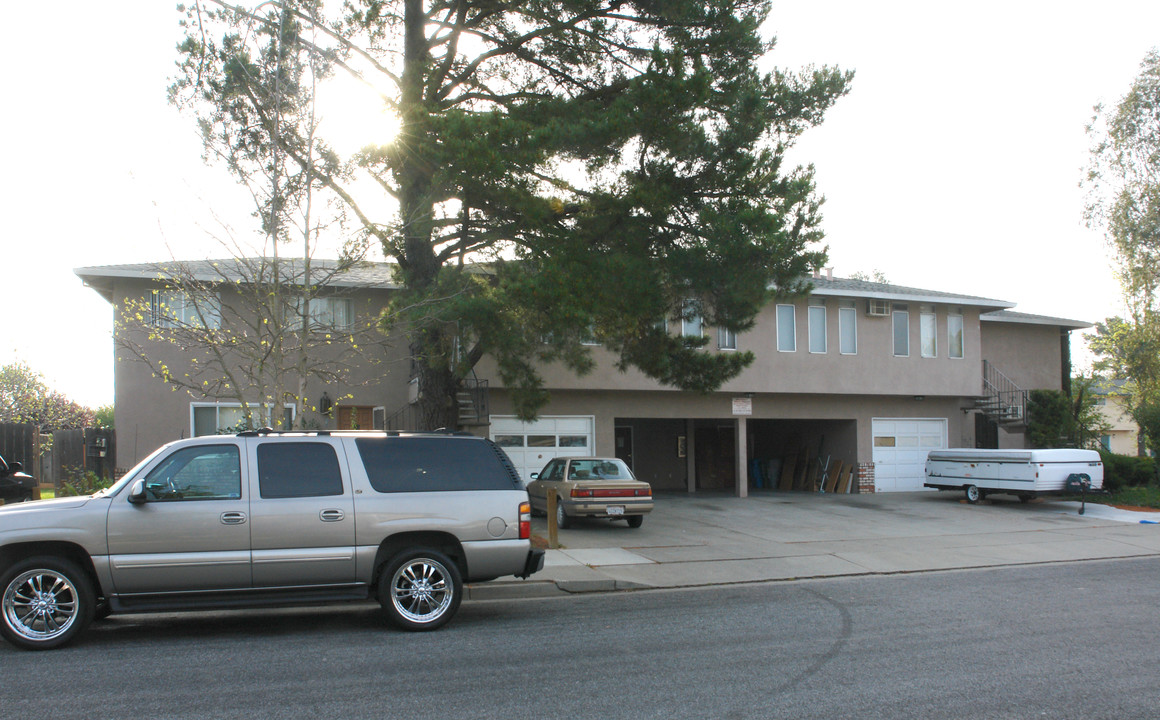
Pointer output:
901, 319
692, 326
207, 472
786, 329
294, 470
955, 336
554, 472
599, 470
588, 337
177, 309
726, 339
848, 331
927, 327
329, 313
417, 464
226, 418
816, 315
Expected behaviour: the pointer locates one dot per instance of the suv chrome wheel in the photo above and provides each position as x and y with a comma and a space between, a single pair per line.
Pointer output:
46, 603
420, 590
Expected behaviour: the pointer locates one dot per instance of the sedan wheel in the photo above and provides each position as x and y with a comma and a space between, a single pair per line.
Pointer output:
563, 520
46, 602
420, 589
635, 521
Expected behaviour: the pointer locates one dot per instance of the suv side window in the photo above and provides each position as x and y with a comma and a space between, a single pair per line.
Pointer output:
206, 472
301, 469
435, 464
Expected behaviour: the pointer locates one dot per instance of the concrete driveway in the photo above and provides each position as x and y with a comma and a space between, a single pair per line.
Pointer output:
709, 539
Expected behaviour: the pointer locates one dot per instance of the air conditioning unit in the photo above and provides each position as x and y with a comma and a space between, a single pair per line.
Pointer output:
877, 308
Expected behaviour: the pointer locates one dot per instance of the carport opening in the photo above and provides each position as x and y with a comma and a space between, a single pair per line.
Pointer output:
802, 454
658, 451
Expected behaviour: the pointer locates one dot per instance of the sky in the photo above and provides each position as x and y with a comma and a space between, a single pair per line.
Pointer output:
953, 163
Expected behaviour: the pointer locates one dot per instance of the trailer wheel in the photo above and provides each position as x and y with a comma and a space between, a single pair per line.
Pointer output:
974, 494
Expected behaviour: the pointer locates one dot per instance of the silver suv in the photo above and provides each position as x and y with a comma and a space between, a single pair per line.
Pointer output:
264, 518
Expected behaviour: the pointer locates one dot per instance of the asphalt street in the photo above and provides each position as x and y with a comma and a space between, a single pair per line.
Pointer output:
1059, 640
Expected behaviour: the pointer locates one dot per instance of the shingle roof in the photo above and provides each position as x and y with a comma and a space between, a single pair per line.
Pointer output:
382, 275
360, 275
1029, 319
845, 287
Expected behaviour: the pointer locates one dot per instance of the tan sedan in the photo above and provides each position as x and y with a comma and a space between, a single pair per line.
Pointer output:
591, 487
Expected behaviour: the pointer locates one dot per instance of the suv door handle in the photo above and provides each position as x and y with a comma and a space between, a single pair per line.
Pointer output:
233, 518
331, 515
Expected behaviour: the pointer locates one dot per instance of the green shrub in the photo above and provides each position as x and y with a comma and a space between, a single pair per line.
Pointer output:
82, 482
1122, 471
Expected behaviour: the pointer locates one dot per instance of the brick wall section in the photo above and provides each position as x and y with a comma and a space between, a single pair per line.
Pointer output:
866, 477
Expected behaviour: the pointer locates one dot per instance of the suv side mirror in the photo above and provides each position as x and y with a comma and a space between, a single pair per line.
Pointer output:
137, 493
15, 466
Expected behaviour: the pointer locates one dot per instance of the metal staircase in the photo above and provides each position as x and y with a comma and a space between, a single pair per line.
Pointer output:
472, 401
1003, 402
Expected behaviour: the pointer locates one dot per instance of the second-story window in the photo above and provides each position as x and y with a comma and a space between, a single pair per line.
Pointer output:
692, 326
955, 336
786, 329
901, 320
171, 308
927, 327
817, 321
726, 339
848, 331
330, 313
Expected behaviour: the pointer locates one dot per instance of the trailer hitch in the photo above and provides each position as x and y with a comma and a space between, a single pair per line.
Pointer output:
1079, 482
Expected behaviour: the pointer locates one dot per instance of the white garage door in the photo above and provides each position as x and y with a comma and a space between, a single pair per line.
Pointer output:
531, 445
900, 449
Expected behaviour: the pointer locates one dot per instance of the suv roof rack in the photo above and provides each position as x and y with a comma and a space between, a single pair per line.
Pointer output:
266, 431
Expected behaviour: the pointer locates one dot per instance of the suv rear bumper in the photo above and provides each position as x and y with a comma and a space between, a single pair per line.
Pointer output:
534, 564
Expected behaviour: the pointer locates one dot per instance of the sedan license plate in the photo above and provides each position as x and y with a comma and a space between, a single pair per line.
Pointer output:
615, 509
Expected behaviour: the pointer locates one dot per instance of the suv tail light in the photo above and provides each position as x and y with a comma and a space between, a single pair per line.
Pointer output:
525, 521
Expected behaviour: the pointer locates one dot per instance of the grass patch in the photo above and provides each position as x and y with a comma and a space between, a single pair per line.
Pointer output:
1143, 496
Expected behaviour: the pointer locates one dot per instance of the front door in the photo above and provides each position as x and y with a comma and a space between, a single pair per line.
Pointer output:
624, 445
193, 533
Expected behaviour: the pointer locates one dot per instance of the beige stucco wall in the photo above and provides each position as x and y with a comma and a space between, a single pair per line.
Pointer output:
1123, 434
874, 370
150, 413
1029, 354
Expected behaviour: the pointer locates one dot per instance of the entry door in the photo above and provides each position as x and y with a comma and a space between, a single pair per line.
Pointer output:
624, 445
900, 450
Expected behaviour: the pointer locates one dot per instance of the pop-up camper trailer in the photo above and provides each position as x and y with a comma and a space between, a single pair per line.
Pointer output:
1025, 473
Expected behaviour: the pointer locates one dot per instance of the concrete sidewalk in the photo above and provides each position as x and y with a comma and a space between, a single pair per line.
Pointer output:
711, 539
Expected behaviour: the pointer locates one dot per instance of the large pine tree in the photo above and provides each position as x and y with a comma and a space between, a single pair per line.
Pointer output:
566, 171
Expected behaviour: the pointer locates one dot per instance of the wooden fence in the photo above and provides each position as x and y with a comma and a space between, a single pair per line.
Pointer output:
18, 444
62, 455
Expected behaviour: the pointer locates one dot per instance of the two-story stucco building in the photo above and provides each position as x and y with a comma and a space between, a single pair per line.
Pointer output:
852, 385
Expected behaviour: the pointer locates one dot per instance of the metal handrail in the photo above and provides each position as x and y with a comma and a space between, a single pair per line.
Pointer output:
1009, 399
